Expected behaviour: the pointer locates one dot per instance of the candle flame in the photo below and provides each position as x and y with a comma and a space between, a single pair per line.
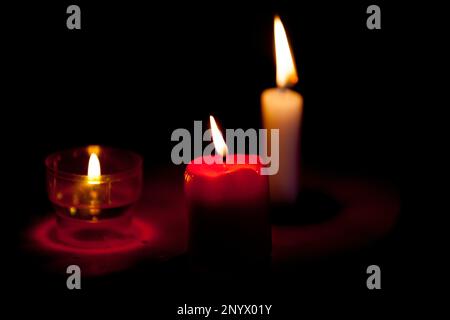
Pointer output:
219, 143
94, 172
286, 72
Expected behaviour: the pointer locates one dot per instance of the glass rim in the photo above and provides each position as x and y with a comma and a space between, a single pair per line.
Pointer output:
134, 169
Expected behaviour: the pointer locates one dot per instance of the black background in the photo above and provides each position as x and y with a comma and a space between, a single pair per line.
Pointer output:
137, 71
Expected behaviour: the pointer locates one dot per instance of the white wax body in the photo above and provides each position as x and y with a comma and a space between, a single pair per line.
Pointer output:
282, 109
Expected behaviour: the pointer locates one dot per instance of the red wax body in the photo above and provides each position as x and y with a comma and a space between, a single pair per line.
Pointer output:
228, 214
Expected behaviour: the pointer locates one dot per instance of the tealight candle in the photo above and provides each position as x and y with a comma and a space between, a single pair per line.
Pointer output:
228, 216
282, 109
91, 189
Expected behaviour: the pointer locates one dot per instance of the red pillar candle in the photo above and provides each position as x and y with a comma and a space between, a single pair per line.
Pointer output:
228, 216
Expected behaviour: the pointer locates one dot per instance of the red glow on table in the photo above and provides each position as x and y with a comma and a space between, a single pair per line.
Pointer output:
93, 260
44, 234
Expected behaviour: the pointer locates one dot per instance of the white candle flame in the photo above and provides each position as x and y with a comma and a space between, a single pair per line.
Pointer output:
286, 72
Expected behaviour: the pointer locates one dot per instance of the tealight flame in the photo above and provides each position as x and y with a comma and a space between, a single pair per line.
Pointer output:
219, 143
94, 171
286, 72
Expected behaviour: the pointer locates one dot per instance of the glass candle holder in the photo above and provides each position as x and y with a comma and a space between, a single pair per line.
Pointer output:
91, 207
